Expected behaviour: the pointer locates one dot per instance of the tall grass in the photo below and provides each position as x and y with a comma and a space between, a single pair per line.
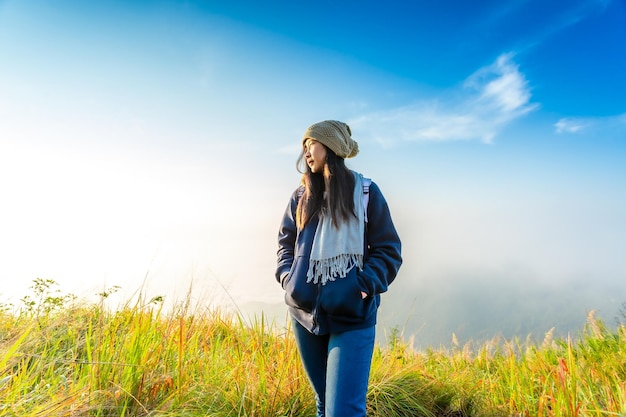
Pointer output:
59, 357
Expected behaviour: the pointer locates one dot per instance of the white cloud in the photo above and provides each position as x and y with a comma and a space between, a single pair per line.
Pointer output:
608, 125
566, 125
489, 99
502, 86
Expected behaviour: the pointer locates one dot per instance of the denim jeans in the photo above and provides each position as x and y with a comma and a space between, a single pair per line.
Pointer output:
338, 367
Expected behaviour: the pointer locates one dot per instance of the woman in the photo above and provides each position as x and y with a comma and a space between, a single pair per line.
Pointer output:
338, 251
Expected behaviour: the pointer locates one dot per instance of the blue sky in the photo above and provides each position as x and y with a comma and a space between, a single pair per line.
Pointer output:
159, 139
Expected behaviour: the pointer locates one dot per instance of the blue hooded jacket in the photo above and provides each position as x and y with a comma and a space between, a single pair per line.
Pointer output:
338, 306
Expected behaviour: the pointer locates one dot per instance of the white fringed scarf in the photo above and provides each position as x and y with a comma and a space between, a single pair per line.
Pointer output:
336, 251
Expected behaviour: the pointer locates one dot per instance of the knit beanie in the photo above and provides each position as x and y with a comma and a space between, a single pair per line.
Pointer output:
335, 136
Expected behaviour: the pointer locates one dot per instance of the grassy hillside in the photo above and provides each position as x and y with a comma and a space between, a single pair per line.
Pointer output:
59, 357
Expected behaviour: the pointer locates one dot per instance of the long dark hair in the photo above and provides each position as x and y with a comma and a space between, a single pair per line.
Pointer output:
338, 182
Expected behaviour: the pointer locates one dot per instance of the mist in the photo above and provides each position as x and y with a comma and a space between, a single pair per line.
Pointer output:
509, 265
482, 257
475, 307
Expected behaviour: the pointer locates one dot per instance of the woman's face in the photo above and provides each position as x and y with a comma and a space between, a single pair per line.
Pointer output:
315, 154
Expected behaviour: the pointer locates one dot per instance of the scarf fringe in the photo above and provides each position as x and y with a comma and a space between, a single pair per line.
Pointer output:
324, 270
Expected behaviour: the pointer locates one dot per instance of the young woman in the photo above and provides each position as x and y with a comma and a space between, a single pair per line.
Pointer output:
338, 251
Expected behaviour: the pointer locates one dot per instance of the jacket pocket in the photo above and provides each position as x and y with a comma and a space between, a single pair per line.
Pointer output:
342, 297
298, 293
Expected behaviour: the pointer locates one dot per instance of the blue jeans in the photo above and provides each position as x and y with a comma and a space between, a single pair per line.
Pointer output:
338, 367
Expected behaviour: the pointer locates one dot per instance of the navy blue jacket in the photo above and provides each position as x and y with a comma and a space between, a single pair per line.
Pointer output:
338, 306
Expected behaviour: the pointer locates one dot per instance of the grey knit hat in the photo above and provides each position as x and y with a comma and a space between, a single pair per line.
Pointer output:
334, 135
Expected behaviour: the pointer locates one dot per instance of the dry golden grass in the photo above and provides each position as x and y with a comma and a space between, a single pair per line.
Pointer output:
62, 358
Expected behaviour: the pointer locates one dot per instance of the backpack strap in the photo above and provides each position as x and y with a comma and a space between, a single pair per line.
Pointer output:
366, 195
